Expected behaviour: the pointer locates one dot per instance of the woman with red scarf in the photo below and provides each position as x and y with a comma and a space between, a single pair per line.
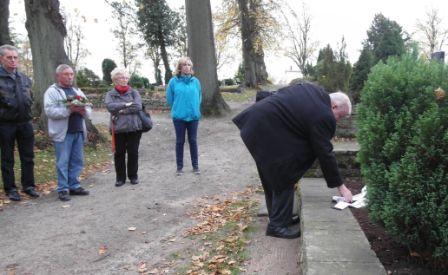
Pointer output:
124, 103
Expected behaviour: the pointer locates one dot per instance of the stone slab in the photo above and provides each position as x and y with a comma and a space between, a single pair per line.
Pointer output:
332, 241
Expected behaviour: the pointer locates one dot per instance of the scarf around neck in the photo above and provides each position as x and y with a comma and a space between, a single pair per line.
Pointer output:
122, 89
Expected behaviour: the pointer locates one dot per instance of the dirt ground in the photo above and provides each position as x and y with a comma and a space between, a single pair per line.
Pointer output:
394, 256
114, 230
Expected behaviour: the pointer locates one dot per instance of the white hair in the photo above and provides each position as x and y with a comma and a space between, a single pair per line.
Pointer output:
118, 71
5, 47
343, 100
62, 67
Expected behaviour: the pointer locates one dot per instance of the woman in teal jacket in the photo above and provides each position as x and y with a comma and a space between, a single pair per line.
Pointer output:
184, 95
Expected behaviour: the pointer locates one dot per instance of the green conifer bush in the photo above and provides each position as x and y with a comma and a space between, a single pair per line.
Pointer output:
403, 133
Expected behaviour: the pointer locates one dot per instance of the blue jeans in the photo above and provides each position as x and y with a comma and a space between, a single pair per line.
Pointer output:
69, 161
191, 127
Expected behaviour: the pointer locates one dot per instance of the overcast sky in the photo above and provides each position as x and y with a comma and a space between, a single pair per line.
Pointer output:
330, 21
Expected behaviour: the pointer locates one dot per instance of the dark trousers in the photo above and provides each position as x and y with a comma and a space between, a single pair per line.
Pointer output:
279, 203
126, 143
191, 127
24, 134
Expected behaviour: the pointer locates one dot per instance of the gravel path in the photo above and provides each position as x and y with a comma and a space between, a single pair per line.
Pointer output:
46, 236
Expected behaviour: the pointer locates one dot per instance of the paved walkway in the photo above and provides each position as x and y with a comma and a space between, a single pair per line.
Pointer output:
332, 241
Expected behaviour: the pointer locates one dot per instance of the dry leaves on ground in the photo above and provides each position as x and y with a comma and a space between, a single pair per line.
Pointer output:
226, 219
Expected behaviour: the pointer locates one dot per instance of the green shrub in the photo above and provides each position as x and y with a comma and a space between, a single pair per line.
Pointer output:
403, 133
138, 81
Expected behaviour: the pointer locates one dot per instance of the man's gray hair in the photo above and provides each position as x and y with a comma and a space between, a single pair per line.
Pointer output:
5, 47
343, 100
118, 71
62, 67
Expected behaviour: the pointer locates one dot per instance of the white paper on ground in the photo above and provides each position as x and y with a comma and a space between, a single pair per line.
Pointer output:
358, 200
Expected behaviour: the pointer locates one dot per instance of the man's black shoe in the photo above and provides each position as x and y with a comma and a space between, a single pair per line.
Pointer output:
119, 183
14, 195
134, 181
63, 195
283, 232
294, 220
31, 191
79, 192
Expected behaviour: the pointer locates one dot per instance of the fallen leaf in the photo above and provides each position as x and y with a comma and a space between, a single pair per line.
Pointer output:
142, 267
172, 240
102, 250
132, 228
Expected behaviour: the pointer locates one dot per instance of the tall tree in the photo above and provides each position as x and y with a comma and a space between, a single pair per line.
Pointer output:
201, 48
46, 31
180, 38
361, 70
154, 54
73, 42
332, 70
386, 38
299, 33
5, 37
158, 24
257, 27
253, 55
433, 31
125, 31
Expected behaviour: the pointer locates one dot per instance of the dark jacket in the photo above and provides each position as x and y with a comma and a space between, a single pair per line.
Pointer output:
287, 131
15, 97
127, 120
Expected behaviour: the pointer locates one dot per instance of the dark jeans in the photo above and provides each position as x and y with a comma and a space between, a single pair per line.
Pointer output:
126, 143
23, 133
191, 127
279, 203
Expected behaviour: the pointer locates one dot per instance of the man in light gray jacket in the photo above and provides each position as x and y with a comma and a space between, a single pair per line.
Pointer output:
66, 109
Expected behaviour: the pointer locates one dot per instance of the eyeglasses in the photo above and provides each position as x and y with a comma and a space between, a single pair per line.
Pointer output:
122, 77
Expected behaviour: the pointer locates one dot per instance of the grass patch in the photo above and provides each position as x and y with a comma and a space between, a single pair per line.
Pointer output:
246, 95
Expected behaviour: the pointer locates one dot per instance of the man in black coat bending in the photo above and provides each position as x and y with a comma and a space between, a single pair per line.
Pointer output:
285, 133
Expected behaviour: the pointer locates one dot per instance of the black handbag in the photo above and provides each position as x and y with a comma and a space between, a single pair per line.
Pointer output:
145, 117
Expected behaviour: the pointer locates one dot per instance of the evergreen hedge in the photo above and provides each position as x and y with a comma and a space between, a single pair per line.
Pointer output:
403, 133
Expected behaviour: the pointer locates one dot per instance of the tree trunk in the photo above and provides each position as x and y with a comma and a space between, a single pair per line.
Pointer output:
46, 31
201, 49
5, 37
253, 56
166, 63
257, 51
250, 79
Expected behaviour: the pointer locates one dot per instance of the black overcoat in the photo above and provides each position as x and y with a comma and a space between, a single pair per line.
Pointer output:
287, 131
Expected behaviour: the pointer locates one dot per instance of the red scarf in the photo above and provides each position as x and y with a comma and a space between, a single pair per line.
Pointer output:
122, 89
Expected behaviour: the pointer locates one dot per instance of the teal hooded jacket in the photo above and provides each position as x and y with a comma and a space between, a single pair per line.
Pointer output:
184, 95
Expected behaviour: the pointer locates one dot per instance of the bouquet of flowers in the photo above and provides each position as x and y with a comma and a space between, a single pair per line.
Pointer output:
78, 101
